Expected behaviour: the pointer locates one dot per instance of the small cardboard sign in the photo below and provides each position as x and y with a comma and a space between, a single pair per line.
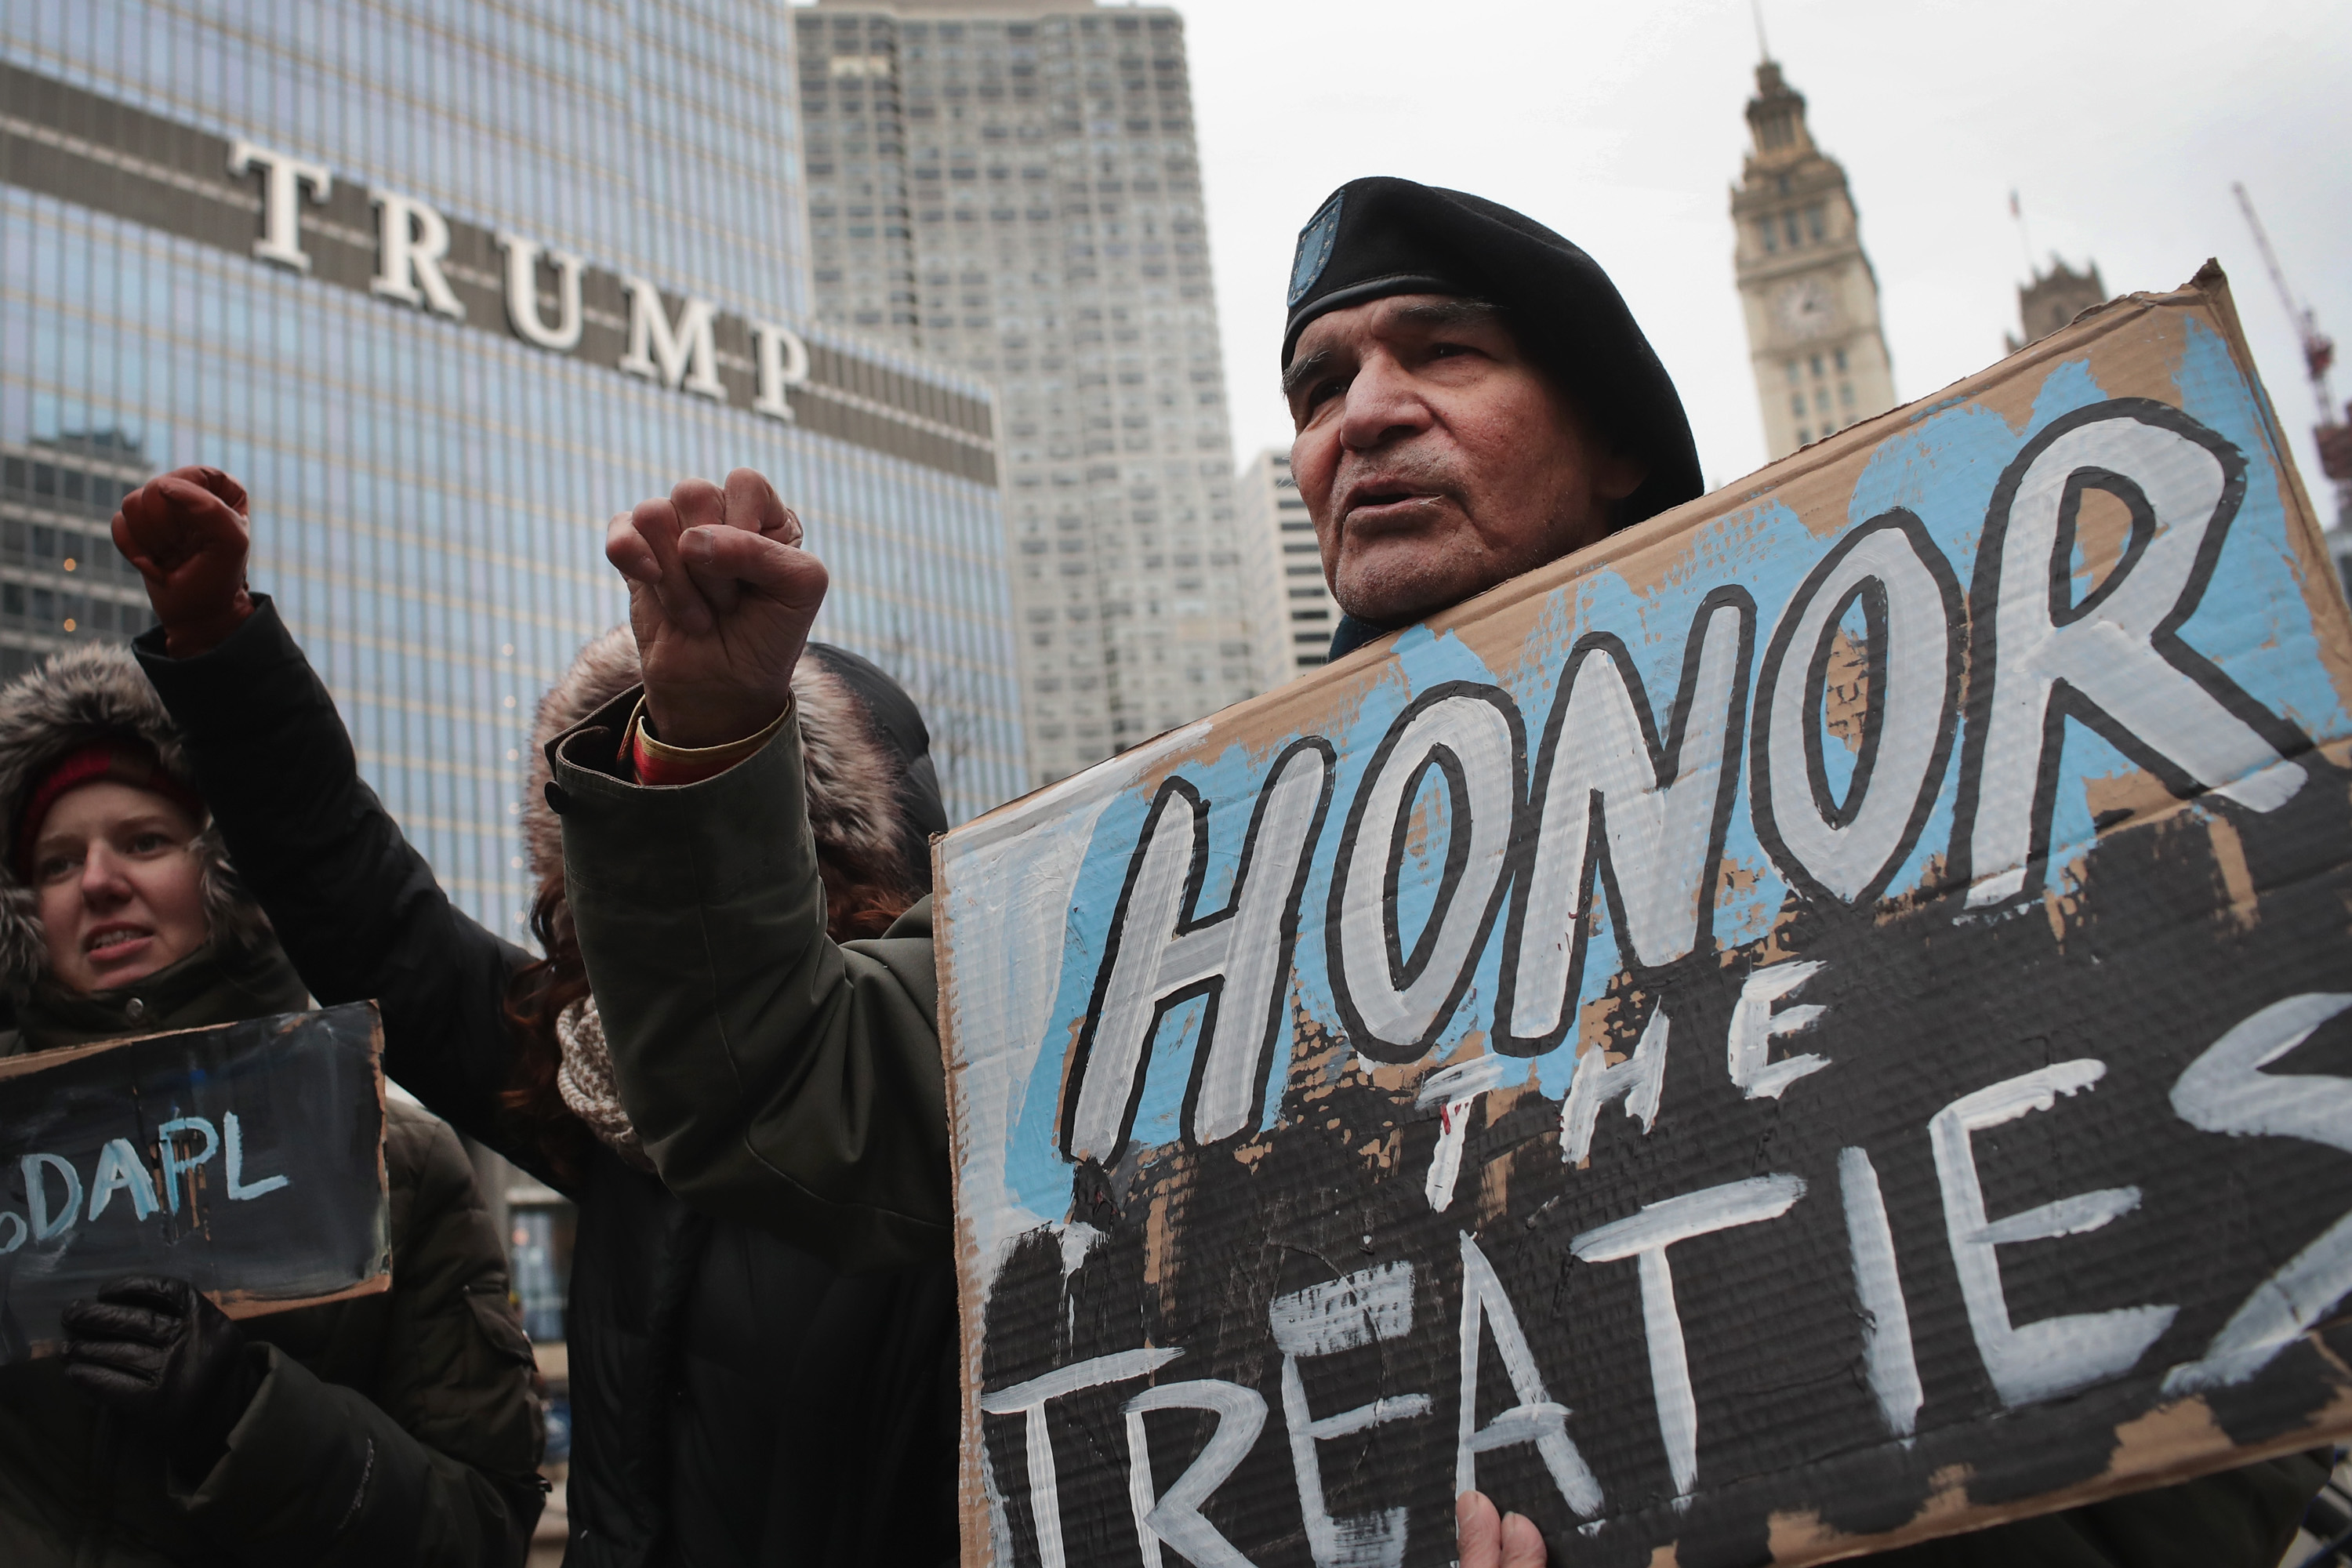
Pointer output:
247, 1158
1822, 1021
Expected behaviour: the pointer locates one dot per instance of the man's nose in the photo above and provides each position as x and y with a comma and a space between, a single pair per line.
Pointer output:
1383, 405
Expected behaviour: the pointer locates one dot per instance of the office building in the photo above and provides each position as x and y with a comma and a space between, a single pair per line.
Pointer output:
1806, 288
1292, 613
1013, 187
446, 288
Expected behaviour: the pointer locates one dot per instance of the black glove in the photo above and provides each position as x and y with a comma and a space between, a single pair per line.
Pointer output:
155, 1349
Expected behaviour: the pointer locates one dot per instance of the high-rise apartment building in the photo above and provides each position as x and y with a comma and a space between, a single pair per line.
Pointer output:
448, 287
1807, 289
1292, 613
1013, 186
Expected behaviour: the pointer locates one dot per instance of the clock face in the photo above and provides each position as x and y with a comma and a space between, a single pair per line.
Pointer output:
1805, 307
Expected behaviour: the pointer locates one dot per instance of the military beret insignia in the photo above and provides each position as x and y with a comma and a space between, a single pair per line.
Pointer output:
1315, 247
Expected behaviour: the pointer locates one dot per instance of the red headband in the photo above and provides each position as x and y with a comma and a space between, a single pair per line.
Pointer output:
110, 760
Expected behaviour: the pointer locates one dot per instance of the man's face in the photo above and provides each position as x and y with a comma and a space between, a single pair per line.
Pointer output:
1436, 460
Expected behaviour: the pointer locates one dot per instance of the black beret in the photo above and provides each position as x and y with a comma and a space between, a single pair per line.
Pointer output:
1379, 236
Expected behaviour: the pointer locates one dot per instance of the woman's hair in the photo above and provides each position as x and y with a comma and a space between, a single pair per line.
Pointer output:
865, 890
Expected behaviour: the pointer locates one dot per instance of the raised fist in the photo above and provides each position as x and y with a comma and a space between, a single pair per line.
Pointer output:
720, 597
188, 534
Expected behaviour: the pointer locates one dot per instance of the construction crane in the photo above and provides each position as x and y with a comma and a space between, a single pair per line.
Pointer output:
2332, 433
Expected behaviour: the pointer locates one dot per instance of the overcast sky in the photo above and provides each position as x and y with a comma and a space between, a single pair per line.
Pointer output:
1620, 124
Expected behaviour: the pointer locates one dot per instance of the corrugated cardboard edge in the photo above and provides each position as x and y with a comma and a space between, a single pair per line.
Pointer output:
972, 1453
230, 1302
2141, 1461
2159, 1448
237, 1306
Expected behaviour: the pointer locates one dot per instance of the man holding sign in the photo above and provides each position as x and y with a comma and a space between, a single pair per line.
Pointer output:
1473, 401
395, 1428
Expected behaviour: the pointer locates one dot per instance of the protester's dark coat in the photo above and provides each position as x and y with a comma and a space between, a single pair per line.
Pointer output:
397, 1428
734, 1399
778, 1076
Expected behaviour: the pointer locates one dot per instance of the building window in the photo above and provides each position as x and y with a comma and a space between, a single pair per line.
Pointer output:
1789, 228
1846, 393
1817, 367
1793, 373
1797, 404
1803, 434
1771, 239
1814, 225
1840, 357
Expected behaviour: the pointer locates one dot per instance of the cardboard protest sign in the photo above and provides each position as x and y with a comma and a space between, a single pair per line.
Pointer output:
1824, 1020
247, 1159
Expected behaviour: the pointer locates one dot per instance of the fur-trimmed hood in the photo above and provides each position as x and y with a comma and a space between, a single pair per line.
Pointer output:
871, 792
88, 694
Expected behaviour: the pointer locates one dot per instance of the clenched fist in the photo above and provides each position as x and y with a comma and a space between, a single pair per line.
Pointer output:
720, 596
188, 534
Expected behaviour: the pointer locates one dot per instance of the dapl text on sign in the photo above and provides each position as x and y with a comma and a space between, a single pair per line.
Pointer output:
247, 1159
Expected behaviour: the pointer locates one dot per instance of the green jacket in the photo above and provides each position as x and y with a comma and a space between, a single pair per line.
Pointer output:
775, 1077
791, 1082
399, 1428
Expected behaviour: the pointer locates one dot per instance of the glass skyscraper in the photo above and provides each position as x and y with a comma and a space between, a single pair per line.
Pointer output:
447, 285
1013, 185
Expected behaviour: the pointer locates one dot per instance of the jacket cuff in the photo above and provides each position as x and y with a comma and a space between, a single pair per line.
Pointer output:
210, 694
658, 763
741, 833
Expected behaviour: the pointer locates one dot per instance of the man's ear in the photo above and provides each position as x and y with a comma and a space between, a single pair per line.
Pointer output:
1617, 473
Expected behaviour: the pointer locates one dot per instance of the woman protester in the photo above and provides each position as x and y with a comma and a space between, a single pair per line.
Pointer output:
395, 1428
735, 1399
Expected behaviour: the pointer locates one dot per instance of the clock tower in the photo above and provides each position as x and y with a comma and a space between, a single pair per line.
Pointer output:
1807, 289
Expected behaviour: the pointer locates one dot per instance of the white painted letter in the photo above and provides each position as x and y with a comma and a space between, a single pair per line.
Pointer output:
1886, 1321
1537, 1418
1639, 1080
684, 355
283, 178
1914, 619
118, 1170
1029, 1400
411, 240
1340, 1315
2225, 1091
239, 1189
1174, 1516
783, 360
2056, 1355
1454, 1090
175, 1167
1661, 812
2117, 650
522, 294
1391, 1001
47, 1224
1754, 1026
1160, 947
1645, 1237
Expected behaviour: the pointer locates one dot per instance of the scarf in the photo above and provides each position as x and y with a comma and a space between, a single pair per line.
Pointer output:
585, 1081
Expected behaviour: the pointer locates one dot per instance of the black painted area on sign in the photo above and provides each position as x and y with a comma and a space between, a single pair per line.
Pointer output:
301, 1215
2151, 957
